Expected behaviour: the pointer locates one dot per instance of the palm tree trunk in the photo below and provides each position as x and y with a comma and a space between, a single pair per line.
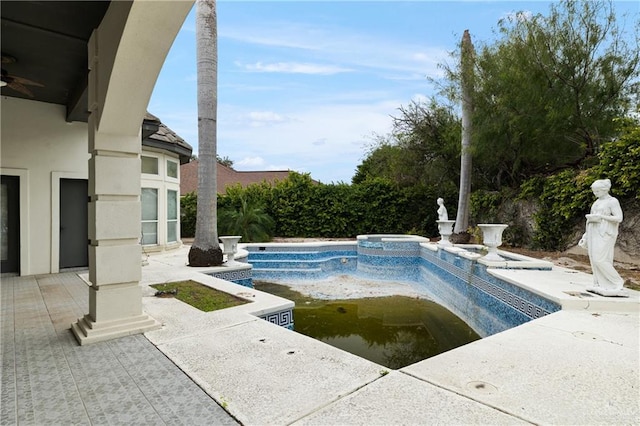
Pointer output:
466, 80
205, 250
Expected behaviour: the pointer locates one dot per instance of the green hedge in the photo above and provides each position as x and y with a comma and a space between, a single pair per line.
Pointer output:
300, 207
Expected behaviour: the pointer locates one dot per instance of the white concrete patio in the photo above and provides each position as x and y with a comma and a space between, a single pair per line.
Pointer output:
577, 366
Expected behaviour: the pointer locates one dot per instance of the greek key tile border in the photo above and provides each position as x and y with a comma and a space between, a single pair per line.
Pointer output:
305, 249
281, 318
531, 310
518, 303
241, 274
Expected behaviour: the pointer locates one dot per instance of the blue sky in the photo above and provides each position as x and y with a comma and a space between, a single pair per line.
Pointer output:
305, 85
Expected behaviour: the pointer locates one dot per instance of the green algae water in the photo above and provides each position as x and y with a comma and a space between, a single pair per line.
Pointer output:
393, 331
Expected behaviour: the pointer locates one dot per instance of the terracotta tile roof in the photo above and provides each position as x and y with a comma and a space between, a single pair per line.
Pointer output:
227, 177
189, 177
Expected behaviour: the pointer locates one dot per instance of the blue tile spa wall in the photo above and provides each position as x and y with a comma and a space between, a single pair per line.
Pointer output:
388, 260
487, 304
301, 262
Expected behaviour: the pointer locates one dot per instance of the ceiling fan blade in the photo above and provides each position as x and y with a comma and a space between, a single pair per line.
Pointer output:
18, 87
7, 59
26, 81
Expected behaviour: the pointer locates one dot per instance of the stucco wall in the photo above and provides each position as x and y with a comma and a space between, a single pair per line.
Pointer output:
41, 147
38, 145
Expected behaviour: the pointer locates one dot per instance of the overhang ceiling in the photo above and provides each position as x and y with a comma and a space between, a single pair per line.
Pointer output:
44, 49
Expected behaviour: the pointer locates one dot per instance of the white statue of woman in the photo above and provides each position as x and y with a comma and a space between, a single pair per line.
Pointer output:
600, 238
442, 211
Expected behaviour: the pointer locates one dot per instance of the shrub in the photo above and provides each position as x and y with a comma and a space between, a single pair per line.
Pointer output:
188, 208
565, 197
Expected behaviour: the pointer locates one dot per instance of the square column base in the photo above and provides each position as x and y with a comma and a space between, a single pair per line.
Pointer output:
87, 331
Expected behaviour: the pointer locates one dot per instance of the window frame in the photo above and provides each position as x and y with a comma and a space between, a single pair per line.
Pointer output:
175, 221
144, 221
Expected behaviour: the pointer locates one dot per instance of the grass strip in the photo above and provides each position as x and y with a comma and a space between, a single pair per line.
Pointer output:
199, 296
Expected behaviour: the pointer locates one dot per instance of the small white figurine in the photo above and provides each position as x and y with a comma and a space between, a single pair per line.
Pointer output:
442, 211
599, 240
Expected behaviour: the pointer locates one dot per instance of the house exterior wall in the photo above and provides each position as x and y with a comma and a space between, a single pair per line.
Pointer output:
41, 148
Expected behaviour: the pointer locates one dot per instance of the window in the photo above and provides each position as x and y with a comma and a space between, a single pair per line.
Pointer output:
149, 165
149, 201
172, 216
172, 169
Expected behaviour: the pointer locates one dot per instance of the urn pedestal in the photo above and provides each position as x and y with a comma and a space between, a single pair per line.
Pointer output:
445, 227
230, 247
492, 238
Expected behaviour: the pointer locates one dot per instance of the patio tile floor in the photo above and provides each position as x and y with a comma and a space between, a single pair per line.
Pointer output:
47, 378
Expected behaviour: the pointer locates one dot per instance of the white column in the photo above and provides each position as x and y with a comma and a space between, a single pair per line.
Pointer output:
115, 296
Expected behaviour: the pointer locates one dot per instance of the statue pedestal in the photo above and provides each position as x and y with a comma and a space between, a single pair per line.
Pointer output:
602, 291
230, 247
492, 238
445, 227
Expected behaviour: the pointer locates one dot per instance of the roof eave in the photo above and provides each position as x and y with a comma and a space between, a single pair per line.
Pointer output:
183, 153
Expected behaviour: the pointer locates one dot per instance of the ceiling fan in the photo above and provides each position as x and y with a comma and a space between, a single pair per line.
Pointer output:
19, 84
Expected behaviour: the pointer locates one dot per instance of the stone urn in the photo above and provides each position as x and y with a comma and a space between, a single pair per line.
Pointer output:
230, 247
492, 238
445, 227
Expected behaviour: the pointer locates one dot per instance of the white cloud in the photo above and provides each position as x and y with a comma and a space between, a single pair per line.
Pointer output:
520, 16
265, 118
327, 140
420, 98
250, 162
420, 56
273, 34
257, 163
245, 87
410, 76
339, 45
274, 167
295, 68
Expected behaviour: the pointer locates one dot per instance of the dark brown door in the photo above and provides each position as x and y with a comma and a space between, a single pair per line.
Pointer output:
10, 224
74, 230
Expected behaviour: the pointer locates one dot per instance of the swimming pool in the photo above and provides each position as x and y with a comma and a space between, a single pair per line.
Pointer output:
455, 277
